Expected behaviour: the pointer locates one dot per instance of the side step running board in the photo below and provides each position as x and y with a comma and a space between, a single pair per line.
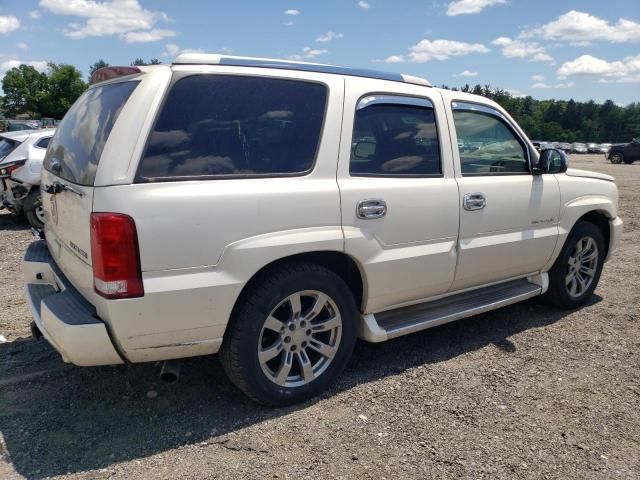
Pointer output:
403, 321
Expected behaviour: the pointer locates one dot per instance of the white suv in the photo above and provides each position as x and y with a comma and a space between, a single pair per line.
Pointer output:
274, 211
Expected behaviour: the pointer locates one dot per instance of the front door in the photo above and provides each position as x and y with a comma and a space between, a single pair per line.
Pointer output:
508, 217
399, 196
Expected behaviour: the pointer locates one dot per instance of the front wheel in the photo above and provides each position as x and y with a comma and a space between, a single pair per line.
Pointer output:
576, 272
291, 336
616, 157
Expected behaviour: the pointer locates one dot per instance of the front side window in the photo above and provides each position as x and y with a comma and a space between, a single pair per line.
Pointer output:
227, 125
487, 145
395, 140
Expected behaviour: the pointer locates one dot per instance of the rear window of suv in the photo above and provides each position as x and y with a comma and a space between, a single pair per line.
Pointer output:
84, 130
221, 126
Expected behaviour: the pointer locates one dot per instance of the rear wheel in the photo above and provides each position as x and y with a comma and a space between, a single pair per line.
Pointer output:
33, 210
576, 272
616, 157
291, 336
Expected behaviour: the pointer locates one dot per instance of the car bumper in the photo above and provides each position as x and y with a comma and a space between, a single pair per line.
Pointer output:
65, 319
615, 227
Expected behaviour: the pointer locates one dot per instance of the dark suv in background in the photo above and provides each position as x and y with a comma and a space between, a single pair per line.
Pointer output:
625, 152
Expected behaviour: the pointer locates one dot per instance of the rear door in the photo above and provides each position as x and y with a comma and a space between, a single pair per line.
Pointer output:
399, 196
70, 167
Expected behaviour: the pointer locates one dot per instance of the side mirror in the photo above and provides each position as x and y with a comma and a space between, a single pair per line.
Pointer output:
364, 149
551, 160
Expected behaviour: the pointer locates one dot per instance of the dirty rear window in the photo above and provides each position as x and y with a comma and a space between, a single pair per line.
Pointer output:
217, 126
75, 150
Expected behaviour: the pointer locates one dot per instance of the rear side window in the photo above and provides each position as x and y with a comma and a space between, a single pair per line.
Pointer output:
395, 140
43, 142
7, 146
75, 150
222, 125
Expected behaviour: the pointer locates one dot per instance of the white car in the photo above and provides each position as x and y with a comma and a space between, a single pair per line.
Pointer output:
275, 211
21, 157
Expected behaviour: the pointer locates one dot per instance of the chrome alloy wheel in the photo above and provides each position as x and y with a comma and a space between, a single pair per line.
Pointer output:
300, 338
583, 264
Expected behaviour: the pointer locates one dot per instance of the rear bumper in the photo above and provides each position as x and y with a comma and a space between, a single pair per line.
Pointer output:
67, 321
615, 227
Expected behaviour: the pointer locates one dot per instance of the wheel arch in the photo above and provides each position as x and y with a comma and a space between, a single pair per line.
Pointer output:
600, 219
338, 262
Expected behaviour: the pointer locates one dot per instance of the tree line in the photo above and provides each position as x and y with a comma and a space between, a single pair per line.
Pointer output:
566, 121
50, 94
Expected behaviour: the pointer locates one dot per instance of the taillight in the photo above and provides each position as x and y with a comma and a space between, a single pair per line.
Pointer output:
115, 256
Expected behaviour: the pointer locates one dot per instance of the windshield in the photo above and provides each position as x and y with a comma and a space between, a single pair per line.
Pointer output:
76, 148
6, 147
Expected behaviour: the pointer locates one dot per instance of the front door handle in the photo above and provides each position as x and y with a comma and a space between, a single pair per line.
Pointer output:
474, 201
371, 209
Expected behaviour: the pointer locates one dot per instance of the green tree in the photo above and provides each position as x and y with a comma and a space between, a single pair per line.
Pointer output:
97, 66
25, 89
65, 85
140, 62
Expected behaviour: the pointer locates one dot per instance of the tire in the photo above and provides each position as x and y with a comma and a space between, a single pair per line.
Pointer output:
33, 210
572, 291
263, 320
616, 157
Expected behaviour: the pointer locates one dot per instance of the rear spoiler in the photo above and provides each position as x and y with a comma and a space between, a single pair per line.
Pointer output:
109, 73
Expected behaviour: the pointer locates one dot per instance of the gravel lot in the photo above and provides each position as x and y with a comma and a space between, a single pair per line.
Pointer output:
523, 392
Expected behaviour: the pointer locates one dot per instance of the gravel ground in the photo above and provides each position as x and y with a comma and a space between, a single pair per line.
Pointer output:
523, 392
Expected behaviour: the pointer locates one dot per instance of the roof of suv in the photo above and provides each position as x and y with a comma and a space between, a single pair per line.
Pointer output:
217, 59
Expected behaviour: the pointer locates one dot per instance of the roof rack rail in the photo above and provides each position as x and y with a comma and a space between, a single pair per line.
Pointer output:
218, 59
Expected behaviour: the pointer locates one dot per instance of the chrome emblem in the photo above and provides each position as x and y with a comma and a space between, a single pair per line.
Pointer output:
54, 209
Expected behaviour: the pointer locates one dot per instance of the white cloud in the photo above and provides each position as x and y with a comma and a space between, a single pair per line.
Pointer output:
537, 78
22, 45
288, 24
9, 24
518, 49
577, 26
308, 53
516, 93
462, 7
540, 85
466, 73
110, 17
557, 85
173, 50
35, 14
364, 5
626, 70
427, 50
7, 65
292, 11
147, 35
327, 37
395, 59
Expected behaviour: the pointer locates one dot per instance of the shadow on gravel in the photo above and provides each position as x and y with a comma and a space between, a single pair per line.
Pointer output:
12, 222
58, 418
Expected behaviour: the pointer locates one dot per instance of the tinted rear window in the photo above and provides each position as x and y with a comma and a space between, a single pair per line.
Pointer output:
6, 146
222, 125
84, 130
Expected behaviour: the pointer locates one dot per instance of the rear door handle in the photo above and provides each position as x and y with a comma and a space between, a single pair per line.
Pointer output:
371, 209
474, 201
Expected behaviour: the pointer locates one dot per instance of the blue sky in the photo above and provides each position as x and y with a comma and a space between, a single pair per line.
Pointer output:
582, 49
